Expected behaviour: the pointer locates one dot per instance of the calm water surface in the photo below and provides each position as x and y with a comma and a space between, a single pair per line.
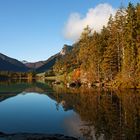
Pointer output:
86, 113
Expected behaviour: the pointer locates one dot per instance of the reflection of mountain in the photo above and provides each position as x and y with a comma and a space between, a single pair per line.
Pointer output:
106, 114
12, 89
6, 96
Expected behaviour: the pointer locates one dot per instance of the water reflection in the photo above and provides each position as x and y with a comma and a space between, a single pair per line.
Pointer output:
86, 113
31, 113
105, 114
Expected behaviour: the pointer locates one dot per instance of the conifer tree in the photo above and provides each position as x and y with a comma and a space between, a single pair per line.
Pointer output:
119, 28
130, 51
138, 38
84, 43
110, 61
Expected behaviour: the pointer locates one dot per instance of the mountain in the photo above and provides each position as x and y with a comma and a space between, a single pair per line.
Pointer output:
34, 65
11, 64
65, 49
51, 61
48, 64
24, 61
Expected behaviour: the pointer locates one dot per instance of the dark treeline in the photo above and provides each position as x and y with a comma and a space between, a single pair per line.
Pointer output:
6, 75
110, 57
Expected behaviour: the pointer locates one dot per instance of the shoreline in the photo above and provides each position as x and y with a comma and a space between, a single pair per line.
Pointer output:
35, 136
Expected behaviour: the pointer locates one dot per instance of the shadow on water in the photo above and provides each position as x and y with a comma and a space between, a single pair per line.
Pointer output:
103, 114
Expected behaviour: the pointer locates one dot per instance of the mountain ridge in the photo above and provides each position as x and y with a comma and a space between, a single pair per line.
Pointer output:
11, 64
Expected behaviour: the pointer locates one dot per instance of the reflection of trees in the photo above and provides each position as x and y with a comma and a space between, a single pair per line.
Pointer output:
64, 97
101, 111
111, 115
131, 113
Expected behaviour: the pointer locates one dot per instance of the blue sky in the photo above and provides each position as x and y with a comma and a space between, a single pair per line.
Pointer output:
33, 30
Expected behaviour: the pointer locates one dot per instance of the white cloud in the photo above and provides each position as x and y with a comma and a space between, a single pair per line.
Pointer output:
96, 17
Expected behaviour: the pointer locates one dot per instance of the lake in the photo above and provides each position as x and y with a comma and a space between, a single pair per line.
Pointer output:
87, 114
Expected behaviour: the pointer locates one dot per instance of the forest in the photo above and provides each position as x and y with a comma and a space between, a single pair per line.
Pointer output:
110, 57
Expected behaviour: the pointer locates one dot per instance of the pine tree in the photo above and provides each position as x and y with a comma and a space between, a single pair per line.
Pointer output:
138, 38
110, 61
94, 58
119, 28
104, 36
130, 50
84, 44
